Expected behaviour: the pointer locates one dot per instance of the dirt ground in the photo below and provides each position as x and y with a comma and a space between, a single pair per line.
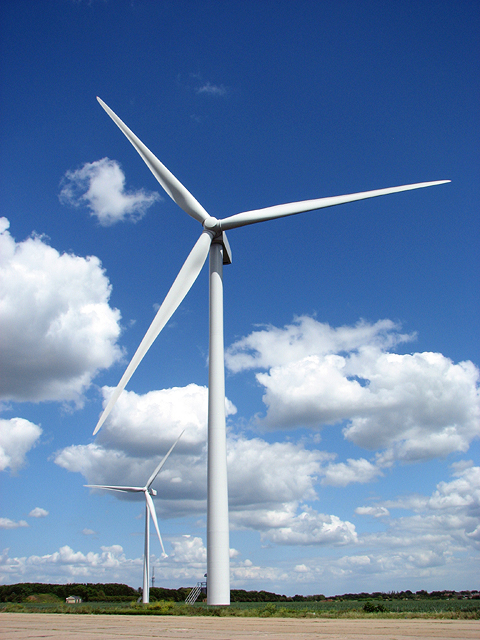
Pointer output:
18, 626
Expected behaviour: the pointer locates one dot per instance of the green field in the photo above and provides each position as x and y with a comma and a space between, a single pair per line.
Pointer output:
440, 608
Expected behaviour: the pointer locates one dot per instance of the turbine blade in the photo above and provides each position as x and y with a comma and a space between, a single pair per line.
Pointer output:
157, 470
125, 489
179, 289
169, 182
151, 508
292, 208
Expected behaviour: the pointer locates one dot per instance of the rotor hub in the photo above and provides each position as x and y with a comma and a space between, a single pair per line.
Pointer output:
212, 224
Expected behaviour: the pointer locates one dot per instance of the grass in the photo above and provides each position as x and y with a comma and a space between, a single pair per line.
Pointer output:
446, 609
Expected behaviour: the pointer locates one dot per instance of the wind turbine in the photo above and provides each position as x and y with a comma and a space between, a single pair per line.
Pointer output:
213, 241
148, 491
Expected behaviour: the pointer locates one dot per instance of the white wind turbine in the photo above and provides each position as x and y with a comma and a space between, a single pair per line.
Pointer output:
148, 492
214, 241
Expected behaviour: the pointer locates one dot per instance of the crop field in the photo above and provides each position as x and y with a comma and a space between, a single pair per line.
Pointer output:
390, 606
441, 608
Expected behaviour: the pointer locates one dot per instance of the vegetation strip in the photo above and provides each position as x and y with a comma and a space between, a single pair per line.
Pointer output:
120, 599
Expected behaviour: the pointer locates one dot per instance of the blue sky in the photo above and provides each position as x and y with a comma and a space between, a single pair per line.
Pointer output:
351, 333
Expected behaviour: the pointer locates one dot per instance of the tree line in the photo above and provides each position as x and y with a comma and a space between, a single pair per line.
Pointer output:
115, 592
88, 592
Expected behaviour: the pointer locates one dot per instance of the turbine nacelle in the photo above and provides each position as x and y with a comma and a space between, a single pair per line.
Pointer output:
213, 226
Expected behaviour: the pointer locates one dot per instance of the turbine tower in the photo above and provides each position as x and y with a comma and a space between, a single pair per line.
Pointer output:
213, 241
148, 491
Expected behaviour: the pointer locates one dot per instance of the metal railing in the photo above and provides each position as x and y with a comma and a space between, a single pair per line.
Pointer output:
200, 587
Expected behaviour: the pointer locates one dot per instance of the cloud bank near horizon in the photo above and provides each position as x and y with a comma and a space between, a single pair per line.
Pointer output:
432, 542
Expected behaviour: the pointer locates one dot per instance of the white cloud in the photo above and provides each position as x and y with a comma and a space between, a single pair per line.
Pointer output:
451, 513
462, 493
89, 532
17, 437
376, 511
57, 329
340, 474
67, 565
301, 568
424, 405
212, 89
6, 523
38, 512
291, 523
408, 407
110, 564
272, 346
142, 428
312, 528
138, 433
189, 550
140, 424
100, 186
257, 483
257, 479
434, 545
247, 575
432, 548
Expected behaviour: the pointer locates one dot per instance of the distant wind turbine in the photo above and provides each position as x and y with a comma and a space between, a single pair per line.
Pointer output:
213, 240
148, 491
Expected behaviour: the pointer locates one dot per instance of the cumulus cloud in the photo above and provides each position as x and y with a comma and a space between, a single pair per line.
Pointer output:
142, 428
257, 483
67, 565
431, 541
100, 186
257, 479
452, 511
38, 512
274, 347
138, 433
312, 528
140, 423
6, 523
180, 485
247, 575
294, 524
409, 407
431, 547
57, 329
109, 564
17, 437
189, 550
340, 474
264, 495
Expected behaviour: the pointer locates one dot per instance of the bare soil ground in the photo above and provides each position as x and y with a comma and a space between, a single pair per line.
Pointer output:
19, 626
